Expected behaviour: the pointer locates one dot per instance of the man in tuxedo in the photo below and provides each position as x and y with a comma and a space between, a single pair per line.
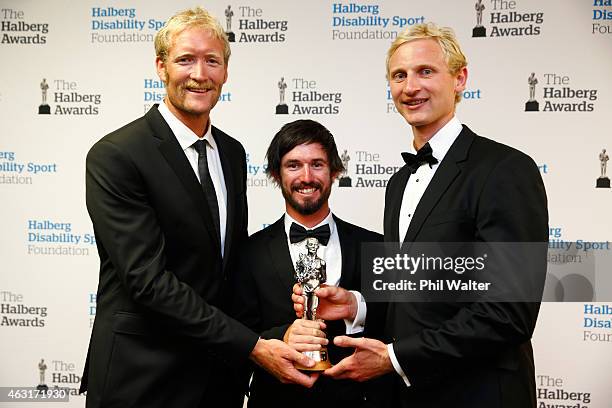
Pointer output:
303, 160
455, 187
167, 197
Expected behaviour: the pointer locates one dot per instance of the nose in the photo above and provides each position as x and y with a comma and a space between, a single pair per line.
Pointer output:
411, 84
306, 174
198, 73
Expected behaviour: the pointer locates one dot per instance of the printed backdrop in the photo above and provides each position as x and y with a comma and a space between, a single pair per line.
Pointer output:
73, 71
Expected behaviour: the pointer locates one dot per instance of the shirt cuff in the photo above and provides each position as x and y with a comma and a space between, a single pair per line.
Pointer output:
356, 325
396, 365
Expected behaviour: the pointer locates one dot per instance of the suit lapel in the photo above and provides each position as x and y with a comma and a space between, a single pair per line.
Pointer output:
173, 153
394, 204
230, 187
445, 174
347, 249
278, 252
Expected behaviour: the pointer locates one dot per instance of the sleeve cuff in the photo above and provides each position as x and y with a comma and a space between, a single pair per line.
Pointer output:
357, 325
396, 365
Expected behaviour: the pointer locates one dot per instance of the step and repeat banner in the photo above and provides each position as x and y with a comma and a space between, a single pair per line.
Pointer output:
71, 72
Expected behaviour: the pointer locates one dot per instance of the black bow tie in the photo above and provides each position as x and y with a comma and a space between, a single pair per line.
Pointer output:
297, 233
423, 156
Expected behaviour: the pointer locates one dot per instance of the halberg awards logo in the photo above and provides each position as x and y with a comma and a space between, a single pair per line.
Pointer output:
603, 181
16, 30
558, 95
307, 98
368, 170
253, 27
67, 99
16, 313
63, 377
506, 20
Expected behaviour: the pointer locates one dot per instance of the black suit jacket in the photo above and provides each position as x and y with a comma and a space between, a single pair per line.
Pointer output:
474, 354
159, 330
262, 293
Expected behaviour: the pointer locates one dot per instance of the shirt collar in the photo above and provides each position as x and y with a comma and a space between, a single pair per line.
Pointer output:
327, 220
443, 139
183, 134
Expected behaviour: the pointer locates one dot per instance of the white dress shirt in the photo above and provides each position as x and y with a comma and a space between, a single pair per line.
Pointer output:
332, 255
186, 139
415, 188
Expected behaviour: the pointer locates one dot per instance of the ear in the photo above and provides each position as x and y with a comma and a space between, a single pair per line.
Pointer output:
161, 69
461, 80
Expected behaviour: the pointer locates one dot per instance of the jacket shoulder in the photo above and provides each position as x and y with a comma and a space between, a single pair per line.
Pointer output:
227, 141
260, 237
360, 233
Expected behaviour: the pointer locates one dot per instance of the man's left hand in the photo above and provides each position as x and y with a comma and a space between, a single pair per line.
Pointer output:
370, 360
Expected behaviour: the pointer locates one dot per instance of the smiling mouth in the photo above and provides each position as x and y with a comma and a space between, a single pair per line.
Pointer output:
415, 102
306, 189
199, 90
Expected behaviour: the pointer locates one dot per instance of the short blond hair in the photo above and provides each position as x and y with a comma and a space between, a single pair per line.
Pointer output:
190, 18
445, 36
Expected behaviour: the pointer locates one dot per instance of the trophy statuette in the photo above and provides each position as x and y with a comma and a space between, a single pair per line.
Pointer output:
310, 273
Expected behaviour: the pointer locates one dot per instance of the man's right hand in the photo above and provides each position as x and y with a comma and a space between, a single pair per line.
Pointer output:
278, 359
335, 303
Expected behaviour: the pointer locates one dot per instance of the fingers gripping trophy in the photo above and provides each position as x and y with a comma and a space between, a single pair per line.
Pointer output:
310, 273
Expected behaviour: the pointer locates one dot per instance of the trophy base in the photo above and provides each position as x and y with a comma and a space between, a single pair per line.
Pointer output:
345, 182
282, 109
44, 109
321, 358
532, 106
231, 37
603, 182
42, 387
479, 31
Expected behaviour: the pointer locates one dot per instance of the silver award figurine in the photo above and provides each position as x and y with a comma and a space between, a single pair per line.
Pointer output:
603, 181
282, 108
42, 367
532, 105
229, 13
310, 273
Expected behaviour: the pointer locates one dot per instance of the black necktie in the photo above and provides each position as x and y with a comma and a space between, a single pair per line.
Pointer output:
207, 184
297, 233
423, 156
